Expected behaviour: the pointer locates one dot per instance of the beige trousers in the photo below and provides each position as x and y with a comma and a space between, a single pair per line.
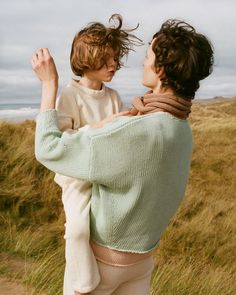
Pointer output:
125, 280
81, 272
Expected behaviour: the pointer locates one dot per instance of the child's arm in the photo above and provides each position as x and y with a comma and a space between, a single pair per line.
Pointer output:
68, 110
110, 119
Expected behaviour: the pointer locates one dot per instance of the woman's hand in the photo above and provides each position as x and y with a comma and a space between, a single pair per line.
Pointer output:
45, 69
110, 118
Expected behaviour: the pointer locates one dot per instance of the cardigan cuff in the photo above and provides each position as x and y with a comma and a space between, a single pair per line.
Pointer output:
47, 119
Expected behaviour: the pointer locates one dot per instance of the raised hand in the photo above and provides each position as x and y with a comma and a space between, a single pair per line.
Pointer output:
45, 69
44, 66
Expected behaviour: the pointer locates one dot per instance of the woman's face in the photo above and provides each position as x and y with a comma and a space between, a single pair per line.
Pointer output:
150, 77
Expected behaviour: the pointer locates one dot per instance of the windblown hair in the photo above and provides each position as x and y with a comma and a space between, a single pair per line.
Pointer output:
185, 55
91, 45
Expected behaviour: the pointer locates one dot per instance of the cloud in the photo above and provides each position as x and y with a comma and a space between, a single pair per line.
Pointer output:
222, 82
26, 26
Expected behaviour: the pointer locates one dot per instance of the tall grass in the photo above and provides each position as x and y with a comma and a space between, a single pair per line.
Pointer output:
197, 252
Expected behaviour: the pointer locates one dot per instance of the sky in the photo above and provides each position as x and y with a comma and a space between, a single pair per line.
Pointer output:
27, 25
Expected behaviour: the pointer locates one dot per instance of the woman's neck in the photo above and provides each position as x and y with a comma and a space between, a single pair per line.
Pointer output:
89, 83
161, 90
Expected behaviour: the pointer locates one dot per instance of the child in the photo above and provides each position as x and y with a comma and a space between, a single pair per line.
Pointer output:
95, 56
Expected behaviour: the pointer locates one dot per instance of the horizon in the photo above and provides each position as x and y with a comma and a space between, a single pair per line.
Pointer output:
38, 27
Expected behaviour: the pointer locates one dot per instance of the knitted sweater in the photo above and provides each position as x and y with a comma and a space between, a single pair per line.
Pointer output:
139, 168
78, 105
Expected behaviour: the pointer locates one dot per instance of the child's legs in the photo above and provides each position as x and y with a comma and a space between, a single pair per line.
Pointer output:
126, 280
67, 285
81, 266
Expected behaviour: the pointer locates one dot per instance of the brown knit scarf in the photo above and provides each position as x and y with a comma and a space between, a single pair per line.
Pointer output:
150, 103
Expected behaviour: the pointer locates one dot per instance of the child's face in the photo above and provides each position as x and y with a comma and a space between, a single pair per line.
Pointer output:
107, 71
150, 77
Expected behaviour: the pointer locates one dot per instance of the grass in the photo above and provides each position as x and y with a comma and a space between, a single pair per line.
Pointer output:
197, 252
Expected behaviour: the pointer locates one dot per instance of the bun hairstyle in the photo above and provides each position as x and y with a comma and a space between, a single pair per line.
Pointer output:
185, 55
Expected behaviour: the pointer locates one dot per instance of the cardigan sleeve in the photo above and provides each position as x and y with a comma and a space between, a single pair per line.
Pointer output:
64, 153
96, 155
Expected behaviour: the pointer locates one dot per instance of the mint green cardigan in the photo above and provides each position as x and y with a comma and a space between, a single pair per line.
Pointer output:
139, 168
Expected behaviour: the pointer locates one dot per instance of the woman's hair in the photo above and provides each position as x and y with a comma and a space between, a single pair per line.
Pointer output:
185, 55
91, 45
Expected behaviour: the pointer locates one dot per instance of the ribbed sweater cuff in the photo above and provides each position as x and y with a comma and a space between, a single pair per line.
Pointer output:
47, 120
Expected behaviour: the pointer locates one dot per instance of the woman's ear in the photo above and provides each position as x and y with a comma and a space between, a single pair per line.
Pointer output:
160, 72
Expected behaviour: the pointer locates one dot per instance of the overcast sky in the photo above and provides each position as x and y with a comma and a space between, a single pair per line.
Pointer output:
26, 25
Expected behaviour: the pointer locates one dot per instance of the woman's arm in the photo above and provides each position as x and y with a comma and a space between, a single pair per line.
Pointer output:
64, 153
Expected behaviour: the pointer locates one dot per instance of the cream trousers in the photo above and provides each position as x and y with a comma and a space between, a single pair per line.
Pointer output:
81, 271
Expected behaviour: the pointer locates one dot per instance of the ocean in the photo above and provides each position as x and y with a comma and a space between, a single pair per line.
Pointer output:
18, 111
20, 99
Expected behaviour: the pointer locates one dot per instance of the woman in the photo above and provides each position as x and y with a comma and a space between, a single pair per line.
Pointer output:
139, 164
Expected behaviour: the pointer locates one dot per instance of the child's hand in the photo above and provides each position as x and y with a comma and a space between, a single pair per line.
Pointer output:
45, 69
110, 118
44, 66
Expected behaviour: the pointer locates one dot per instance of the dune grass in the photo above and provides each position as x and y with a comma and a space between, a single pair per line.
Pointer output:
197, 252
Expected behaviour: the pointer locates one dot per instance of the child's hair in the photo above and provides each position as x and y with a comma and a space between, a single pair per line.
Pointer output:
91, 45
185, 55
